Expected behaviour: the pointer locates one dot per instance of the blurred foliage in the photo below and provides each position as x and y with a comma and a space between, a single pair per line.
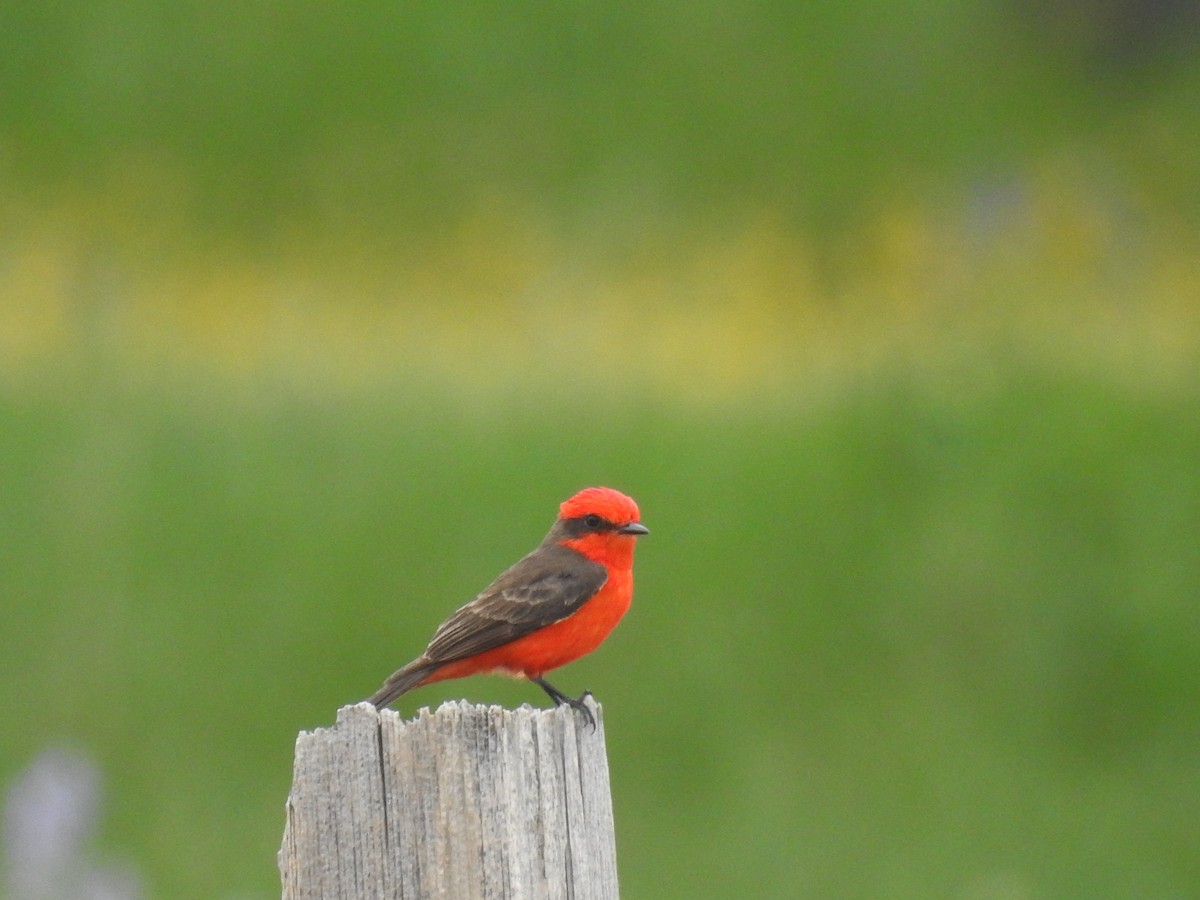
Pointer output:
896, 642
887, 315
400, 117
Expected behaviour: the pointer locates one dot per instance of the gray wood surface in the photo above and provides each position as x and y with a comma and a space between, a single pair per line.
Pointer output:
465, 802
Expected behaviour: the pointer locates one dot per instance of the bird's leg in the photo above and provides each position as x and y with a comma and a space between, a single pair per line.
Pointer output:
560, 698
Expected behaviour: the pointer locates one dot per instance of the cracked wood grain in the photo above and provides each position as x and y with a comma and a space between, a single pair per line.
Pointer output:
465, 802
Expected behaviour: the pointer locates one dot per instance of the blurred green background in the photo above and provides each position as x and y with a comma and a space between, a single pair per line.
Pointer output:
888, 315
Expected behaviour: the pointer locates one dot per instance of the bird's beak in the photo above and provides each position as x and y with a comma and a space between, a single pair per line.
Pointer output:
633, 528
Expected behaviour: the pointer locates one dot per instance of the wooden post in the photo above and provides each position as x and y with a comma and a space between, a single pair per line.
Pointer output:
467, 802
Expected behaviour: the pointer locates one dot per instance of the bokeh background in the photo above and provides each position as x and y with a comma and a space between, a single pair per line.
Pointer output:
888, 314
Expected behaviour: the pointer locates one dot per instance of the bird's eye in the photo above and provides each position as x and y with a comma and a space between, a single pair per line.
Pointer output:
593, 521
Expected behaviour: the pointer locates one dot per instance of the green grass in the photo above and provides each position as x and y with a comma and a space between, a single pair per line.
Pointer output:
902, 640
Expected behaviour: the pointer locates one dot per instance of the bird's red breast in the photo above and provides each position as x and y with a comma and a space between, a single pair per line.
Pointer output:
554, 645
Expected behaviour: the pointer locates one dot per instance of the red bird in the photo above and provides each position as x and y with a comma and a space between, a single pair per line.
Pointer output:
550, 608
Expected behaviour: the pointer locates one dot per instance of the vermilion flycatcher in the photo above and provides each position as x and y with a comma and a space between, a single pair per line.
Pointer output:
553, 606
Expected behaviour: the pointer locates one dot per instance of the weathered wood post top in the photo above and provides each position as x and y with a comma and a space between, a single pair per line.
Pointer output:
465, 802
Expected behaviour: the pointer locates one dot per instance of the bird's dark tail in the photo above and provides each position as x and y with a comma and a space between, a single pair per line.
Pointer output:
402, 681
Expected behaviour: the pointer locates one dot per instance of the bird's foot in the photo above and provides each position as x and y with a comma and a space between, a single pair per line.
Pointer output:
576, 703
581, 705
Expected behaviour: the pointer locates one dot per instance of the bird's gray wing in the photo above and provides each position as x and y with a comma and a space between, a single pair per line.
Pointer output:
543, 588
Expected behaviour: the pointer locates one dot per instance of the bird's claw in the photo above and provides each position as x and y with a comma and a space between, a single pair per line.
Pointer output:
560, 698
582, 707
587, 713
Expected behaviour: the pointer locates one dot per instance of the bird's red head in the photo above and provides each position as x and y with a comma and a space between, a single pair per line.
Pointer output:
601, 501
605, 526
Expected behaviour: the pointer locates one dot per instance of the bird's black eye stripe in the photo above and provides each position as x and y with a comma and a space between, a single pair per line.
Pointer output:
592, 523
